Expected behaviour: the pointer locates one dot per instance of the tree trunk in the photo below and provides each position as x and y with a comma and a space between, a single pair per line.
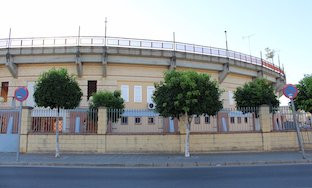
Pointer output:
187, 136
57, 144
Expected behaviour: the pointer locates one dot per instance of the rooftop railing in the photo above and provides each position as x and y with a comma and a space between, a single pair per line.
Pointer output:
135, 43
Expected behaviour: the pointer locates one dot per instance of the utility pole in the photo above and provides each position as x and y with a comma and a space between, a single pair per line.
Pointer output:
248, 37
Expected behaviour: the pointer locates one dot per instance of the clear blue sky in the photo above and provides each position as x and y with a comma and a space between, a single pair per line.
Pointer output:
283, 25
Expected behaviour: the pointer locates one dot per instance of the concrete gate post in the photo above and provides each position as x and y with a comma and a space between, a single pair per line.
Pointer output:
25, 127
265, 123
102, 120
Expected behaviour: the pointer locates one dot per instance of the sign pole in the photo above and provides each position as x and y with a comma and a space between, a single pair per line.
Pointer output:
20, 95
19, 132
297, 128
291, 92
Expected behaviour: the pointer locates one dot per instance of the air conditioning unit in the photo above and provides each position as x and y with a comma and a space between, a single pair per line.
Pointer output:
150, 106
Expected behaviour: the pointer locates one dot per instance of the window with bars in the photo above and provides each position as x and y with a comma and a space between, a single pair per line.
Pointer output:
232, 119
92, 88
246, 119
124, 120
151, 120
239, 120
4, 91
197, 120
207, 120
137, 120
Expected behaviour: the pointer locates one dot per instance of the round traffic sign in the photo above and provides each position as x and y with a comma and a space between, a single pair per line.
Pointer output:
21, 94
290, 91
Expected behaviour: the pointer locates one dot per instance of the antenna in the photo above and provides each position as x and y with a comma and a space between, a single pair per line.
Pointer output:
248, 37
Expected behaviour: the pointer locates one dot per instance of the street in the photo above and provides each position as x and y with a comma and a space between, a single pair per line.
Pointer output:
256, 176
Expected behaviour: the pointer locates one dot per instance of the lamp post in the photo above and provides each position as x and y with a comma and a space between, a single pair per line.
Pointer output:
226, 42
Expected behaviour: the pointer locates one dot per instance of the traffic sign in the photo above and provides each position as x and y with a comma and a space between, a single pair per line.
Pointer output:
290, 91
21, 94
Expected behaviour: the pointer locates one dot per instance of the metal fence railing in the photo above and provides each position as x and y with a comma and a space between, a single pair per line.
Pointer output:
130, 121
228, 120
282, 119
83, 121
9, 119
134, 121
241, 119
135, 43
75, 121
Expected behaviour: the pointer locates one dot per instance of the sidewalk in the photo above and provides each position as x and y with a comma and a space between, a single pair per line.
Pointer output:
153, 160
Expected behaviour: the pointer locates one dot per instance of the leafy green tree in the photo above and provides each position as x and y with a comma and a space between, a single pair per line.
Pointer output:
107, 99
303, 101
111, 100
185, 94
255, 94
56, 89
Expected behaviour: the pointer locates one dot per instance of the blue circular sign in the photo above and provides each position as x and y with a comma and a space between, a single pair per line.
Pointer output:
21, 94
290, 91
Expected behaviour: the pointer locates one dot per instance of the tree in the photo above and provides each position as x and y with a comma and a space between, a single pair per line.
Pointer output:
111, 100
56, 89
270, 53
185, 94
303, 101
255, 94
107, 99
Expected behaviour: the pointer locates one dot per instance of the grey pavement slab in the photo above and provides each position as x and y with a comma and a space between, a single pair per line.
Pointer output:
153, 160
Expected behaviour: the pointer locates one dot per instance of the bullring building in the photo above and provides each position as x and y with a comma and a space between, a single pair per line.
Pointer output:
129, 65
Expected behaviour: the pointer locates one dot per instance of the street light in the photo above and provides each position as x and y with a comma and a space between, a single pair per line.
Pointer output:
226, 42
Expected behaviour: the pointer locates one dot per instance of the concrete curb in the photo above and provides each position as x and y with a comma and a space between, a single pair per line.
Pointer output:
150, 165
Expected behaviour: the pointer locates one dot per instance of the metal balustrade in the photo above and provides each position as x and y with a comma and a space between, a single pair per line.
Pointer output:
134, 43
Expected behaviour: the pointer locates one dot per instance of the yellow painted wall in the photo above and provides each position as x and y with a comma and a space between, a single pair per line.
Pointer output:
199, 143
117, 75
230, 83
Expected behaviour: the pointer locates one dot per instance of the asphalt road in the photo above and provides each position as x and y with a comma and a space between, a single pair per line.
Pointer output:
251, 177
